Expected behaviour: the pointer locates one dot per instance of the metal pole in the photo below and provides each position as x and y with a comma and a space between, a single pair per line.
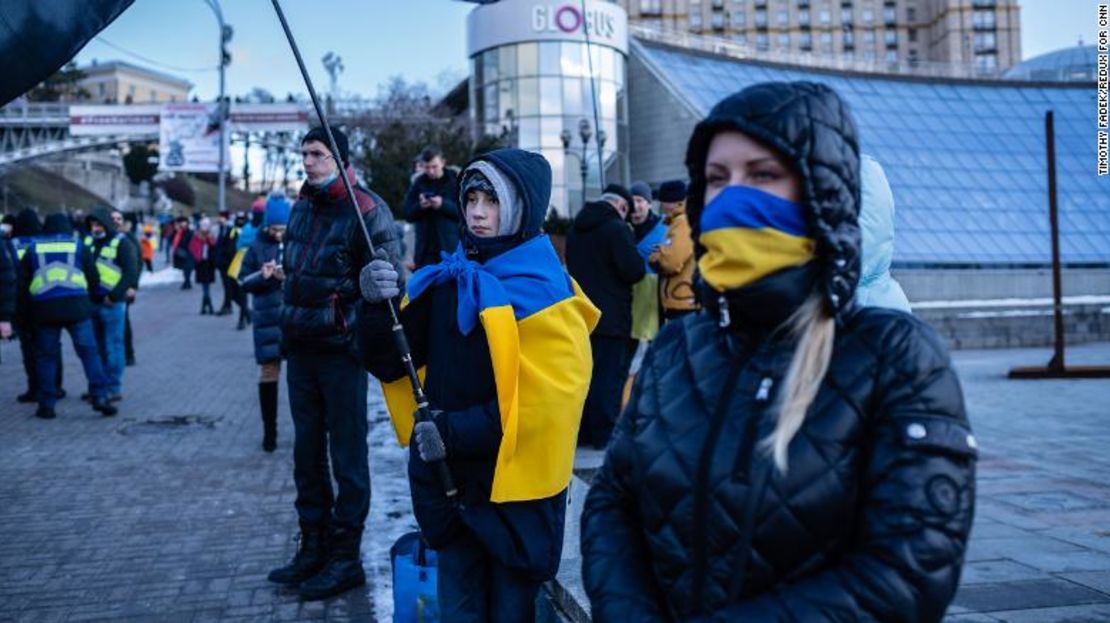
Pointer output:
423, 412
215, 6
593, 90
584, 169
1057, 362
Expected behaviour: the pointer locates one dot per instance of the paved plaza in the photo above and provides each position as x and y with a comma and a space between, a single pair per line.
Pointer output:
170, 511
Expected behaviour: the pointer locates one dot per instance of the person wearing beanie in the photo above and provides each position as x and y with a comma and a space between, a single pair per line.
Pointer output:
261, 275
673, 257
324, 252
431, 206
602, 258
648, 231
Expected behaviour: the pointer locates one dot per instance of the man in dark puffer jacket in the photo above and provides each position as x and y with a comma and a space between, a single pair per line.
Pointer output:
862, 513
324, 252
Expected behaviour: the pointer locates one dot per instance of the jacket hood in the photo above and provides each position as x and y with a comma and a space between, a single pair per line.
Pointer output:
530, 174
104, 217
877, 288
594, 214
811, 128
57, 224
27, 223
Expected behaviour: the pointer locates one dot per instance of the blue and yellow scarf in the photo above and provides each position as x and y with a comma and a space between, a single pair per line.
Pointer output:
749, 234
537, 324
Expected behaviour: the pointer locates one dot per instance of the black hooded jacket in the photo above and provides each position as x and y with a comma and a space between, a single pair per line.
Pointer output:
689, 518
60, 311
527, 536
324, 252
127, 255
602, 258
436, 230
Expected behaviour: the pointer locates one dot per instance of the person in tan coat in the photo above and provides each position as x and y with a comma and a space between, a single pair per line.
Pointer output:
674, 258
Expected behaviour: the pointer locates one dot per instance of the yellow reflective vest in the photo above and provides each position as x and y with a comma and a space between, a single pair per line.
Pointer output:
107, 264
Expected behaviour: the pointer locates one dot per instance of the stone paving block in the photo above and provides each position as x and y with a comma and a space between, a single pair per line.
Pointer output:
1098, 580
1099, 613
992, 571
1063, 562
1026, 594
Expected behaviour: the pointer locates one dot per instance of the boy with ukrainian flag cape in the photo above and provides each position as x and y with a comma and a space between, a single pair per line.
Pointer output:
501, 335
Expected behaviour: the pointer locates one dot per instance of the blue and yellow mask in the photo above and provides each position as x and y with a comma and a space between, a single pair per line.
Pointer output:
749, 234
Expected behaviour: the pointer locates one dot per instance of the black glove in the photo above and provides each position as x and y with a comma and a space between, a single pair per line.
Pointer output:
378, 281
429, 443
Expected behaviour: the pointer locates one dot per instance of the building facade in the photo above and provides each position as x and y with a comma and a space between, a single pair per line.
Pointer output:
982, 34
119, 82
530, 86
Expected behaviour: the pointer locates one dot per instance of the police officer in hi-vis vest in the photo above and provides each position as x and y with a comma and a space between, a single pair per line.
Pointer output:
60, 274
117, 267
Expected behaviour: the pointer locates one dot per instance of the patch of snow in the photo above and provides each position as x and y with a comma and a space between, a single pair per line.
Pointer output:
163, 277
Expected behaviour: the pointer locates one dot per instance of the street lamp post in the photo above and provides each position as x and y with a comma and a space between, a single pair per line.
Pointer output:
585, 133
225, 59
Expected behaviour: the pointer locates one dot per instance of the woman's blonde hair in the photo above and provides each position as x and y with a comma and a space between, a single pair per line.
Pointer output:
815, 331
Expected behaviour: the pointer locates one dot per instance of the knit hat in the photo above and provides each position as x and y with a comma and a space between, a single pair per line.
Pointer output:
318, 134
258, 205
620, 191
672, 191
640, 189
277, 211
482, 175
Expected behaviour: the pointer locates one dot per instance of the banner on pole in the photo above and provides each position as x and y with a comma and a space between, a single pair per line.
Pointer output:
189, 138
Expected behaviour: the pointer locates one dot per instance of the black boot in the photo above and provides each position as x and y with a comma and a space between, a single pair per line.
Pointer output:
28, 397
45, 413
104, 406
343, 571
312, 555
268, 400
242, 322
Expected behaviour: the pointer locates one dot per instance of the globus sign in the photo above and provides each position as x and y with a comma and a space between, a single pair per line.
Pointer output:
519, 21
569, 19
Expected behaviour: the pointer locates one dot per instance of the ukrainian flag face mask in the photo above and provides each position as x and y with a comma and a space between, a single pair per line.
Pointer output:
749, 234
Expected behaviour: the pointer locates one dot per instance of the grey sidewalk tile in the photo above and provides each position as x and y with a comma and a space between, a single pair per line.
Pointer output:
1025, 595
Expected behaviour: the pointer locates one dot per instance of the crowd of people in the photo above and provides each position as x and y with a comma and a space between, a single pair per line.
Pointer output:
783, 440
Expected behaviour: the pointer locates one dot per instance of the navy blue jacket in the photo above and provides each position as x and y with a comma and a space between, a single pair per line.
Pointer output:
8, 281
266, 293
527, 536
436, 230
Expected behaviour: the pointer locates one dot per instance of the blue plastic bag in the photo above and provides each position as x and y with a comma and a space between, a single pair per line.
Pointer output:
414, 580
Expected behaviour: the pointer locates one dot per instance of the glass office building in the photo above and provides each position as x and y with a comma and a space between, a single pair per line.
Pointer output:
530, 86
965, 159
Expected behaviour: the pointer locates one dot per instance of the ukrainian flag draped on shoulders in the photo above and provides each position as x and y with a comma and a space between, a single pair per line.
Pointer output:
537, 323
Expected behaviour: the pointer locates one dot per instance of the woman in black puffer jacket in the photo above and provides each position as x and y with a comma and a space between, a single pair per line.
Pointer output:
786, 455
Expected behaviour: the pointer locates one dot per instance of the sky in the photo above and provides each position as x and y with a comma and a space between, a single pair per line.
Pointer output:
421, 40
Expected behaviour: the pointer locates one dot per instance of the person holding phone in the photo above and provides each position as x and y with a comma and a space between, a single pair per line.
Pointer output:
262, 277
432, 207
